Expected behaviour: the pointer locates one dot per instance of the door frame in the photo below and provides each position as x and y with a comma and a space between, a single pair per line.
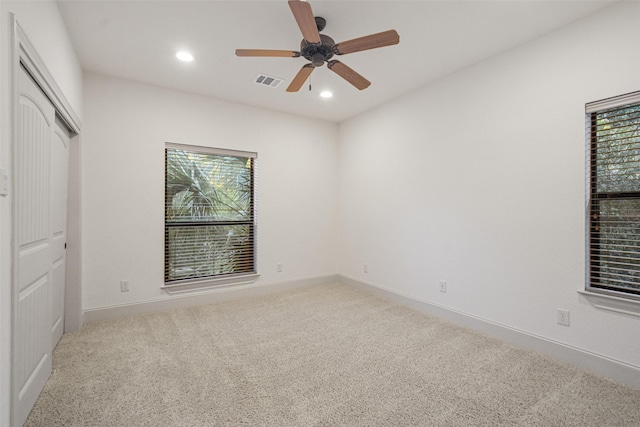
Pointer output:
24, 54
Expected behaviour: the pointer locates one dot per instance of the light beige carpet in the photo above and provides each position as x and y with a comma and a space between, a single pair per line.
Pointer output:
326, 355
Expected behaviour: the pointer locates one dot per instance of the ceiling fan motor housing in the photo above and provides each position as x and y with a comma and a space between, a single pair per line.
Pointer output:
318, 54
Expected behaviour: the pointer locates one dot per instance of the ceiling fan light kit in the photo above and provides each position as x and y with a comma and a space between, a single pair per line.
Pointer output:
320, 48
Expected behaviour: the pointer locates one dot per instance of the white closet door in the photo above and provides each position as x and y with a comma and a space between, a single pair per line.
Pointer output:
59, 201
32, 240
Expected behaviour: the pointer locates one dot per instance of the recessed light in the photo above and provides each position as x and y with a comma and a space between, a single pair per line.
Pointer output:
184, 56
326, 94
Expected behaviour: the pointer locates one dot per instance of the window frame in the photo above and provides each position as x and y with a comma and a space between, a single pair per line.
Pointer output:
217, 280
594, 197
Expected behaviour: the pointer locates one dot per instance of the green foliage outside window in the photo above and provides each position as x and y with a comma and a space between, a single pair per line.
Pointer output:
209, 215
615, 199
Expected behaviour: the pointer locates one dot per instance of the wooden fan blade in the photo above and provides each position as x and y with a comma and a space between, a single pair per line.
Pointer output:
267, 52
348, 74
372, 41
300, 78
304, 17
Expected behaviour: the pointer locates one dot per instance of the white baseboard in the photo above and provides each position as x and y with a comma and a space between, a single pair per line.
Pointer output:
200, 298
592, 362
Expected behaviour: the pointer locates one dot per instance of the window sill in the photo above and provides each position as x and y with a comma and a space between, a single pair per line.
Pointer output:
612, 303
200, 285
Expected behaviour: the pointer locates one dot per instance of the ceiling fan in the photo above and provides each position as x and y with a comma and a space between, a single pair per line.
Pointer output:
320, 48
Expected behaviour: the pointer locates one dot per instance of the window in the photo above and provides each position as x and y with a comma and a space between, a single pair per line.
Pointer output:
209, 214
614, 196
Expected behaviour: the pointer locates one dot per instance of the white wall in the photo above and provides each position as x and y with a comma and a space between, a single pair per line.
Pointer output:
43, 25
125, 129
479, 180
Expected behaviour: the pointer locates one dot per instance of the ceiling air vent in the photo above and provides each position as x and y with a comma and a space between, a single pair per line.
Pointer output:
268, 80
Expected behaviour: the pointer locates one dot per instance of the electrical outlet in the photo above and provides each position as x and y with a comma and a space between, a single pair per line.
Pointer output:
443, 286
563, 317
124, 286
279, 268
366, 268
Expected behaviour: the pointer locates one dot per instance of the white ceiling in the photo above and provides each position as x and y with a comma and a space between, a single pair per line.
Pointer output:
137, 40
